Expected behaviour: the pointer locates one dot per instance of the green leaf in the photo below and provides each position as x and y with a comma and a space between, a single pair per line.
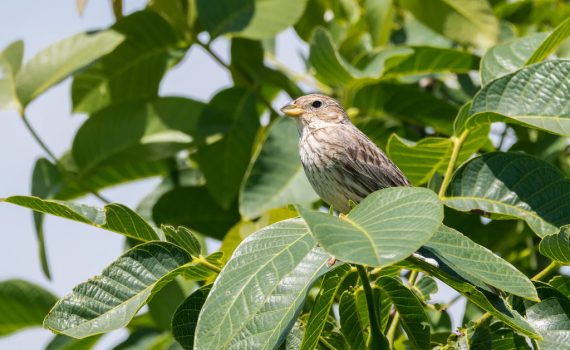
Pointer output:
225, 16
478, 264
182, 237
490, 302
420, 161
165, 302
293, 340
353, 322
509, 56
534, 96
276, 177
386, 227
135, 133
186, 317
557, 246
430, 60
425, 287
46, 182
62, 342
62, 59
497, 336
551, 319
562, 283
322, 306
198, 271
195, 208
512, 185
468, 22
330, 67
413, 317
379, 16
22, 305
272, 16
109, 301
258, 294
554, 40
419, 107
133, 70
113, 217
231, 115
10, 62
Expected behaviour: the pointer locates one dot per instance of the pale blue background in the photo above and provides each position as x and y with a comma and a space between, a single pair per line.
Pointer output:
77, 251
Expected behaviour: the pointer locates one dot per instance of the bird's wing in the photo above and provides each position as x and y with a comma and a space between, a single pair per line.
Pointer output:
371, 167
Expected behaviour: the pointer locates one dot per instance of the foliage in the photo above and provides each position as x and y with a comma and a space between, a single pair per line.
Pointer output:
424, 79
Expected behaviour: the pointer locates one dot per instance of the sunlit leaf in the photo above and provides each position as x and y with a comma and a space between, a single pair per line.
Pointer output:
255, 299
551, 319
271, 17
386, 227
557, 246
554, 40
10, 63
225, 16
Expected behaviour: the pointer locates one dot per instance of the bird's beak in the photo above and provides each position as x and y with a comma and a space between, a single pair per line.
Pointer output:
292, 110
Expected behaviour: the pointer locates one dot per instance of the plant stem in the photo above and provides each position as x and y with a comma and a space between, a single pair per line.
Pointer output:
413, 277
392, 330
117, 9
218, 59
54, 159
375, 341
546, 271
457, 143
38, 139
202, 260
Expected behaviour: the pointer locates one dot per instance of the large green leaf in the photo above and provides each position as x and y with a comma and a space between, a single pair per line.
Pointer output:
185, 319
478, 264
419, 107
421, 160
46, 182
109, 301
258, 294
231, 115
135, 132
62, 342
10, 62
512, 185
60, 60
497, 336
430, 60
466, 21
554, 40
22, 305
322, 306
557, 246
413, 316
509, 56
276, 178
562, 284
534, 96
133, 70
225, 16
386, 227
113, 217
551, 319
194, 207
490, 302
272, 16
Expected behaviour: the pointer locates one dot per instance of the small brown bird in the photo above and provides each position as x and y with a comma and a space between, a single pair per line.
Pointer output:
341, 163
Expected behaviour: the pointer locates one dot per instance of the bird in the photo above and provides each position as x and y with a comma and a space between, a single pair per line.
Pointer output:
341, 163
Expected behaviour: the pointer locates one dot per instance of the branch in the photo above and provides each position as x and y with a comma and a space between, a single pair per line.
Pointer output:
457, 143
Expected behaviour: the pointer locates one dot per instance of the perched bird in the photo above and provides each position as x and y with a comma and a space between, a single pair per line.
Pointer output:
341, 163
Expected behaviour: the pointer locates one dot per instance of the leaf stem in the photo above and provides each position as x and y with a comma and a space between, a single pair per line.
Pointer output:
202, 260
117, 9
457, 143
392, 330
376, 339
206, 46
38, 139
546, 271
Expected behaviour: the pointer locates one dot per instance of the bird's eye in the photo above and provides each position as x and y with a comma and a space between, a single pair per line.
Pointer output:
316, 104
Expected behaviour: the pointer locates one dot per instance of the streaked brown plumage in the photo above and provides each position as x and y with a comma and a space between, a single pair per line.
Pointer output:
341, 162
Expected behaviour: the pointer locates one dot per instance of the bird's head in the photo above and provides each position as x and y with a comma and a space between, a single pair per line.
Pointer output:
316, 108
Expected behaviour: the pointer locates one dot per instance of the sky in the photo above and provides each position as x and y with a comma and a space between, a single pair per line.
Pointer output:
76, 251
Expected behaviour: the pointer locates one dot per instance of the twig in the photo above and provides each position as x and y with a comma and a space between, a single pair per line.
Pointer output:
457, 143
546, 271
117, 9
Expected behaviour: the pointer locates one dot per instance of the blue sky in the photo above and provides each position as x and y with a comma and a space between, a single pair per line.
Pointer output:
77, 251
